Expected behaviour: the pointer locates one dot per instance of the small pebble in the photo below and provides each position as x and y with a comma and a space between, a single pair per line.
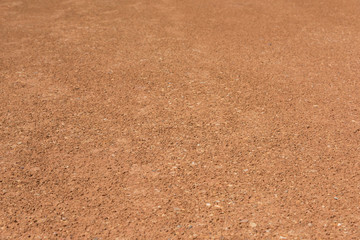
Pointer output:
252, 224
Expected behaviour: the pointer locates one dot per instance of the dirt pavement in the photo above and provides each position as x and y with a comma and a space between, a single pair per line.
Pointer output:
206, 119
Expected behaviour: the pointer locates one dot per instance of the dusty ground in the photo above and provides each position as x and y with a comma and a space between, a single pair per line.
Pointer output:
224, 119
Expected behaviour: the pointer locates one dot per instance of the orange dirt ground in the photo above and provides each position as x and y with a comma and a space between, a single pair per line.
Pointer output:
206, 119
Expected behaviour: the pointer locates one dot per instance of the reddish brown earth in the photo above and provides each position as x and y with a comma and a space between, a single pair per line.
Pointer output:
206, 119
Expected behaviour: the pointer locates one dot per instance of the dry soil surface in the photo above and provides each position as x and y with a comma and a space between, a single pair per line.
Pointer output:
169, 119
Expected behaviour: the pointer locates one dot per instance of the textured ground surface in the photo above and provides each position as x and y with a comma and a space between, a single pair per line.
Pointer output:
224, 119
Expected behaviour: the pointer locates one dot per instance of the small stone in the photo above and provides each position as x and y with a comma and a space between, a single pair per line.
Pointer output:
208, 204
34, 169
252, 224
